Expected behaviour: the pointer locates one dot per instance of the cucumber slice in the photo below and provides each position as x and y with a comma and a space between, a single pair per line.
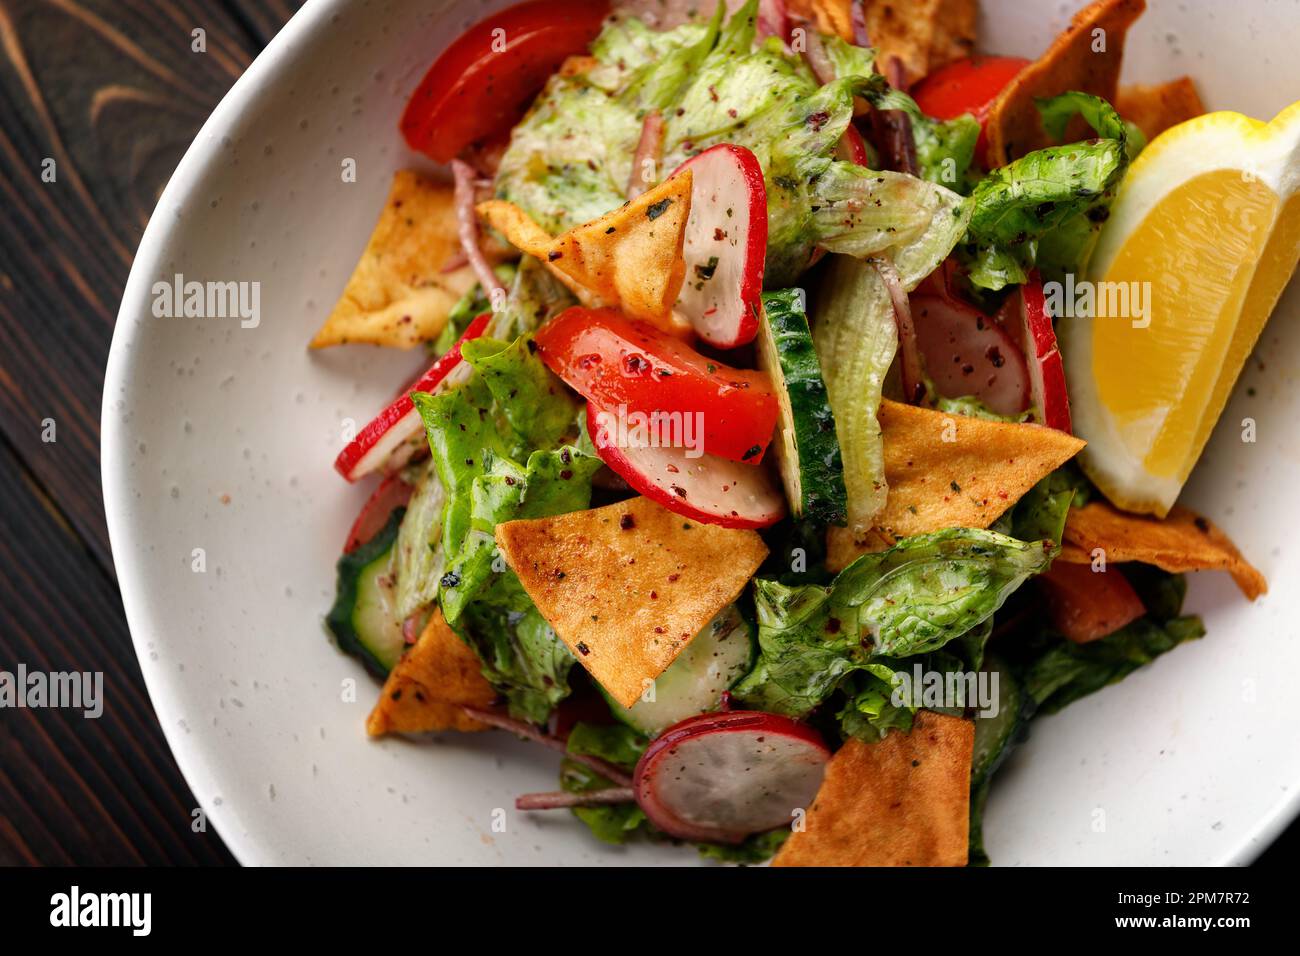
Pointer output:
807, 448
994, 735
712, 662
364, 618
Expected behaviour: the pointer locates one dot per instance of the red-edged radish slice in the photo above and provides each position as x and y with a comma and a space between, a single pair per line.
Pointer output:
852, 148
707, 488
721, 777
969, 353
391, 494
725, 246
395, 434
1046, 370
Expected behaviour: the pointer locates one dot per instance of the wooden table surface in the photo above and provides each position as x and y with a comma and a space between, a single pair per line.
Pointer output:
112, 92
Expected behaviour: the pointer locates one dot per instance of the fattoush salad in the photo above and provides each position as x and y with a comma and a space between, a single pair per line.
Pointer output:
810, 398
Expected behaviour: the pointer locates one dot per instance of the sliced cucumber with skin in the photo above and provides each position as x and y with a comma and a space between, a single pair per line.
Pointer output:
995, 735
693, 684
807, 448
364, 617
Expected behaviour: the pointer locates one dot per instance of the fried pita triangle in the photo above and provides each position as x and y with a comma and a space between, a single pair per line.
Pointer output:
627, 586
427, 688
904, 801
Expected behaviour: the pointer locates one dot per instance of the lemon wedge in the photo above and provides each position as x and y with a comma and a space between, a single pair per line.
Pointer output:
1202, 238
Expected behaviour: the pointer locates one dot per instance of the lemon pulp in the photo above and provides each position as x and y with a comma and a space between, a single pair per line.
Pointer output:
1216, 253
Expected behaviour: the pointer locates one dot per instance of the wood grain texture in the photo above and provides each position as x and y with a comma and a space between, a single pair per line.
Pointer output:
112, 92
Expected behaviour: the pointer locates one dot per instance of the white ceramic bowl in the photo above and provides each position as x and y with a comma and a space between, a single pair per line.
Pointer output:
1191, 761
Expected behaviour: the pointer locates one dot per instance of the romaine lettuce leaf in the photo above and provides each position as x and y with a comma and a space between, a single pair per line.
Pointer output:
1046, 208
510, 409
856, 339
913, 599
945, 149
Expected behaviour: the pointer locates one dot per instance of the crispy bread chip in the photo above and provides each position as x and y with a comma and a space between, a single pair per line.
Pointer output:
630, 258
918, 35
627, 586
951, 471
431, 682
1086, 57
1156, 108
1183, 541
398, 296
904, 801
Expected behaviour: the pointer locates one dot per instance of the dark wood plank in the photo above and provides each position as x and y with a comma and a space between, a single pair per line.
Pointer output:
73, 789
113, 93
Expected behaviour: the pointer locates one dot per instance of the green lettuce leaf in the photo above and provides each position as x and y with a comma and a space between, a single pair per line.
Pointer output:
620, 745
1046, 209
1063, 671
750, 852
495, 442
914, 598
856, 339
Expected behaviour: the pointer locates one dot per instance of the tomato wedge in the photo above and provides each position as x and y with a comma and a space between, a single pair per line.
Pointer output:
1086, 605
969, 85
484, 82
615, 361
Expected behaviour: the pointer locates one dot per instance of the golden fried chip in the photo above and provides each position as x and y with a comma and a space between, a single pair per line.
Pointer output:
1086, 57
904, 801
950, 471
630, 258
919, 36
1153, 109
430, 684
627, 586
1183, 541
398, 295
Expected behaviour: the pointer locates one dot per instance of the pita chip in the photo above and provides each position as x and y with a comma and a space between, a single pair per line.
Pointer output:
904, 801
398, 295
627, 586
426, 690
630, 258
1153, 109
950, 471
1086, 57
1182, 541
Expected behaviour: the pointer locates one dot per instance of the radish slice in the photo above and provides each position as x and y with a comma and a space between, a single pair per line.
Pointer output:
1046, 371
721, 777
725, 246
391, 494
852, 148
394, 436
969, 353
707, 488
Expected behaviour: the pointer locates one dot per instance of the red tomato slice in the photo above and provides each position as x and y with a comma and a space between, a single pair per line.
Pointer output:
969, 85
614, 361
1086, 605
484, 82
